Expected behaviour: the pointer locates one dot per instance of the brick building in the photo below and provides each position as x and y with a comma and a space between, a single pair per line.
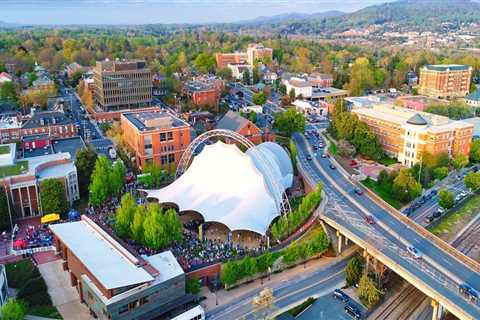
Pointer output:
407, 134
53, 123
320, 80
25, 175
204, 92
155, 137
257, 51
115, 283
122, 84
445, 81
224, 59
234, 122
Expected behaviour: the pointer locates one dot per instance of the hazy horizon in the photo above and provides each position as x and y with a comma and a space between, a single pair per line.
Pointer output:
63, 12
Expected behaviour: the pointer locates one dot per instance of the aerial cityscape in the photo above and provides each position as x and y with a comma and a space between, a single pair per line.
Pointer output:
227, 160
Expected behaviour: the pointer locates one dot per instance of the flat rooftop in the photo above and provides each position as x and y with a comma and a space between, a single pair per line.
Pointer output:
145, 121
199, 85
447, 67
111, 264
70, 145
166, 263
328, 92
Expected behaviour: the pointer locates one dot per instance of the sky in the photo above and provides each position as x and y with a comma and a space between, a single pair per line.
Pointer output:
161, 11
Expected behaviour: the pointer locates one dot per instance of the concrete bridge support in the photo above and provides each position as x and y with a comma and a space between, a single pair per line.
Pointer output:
339, 242
438, 310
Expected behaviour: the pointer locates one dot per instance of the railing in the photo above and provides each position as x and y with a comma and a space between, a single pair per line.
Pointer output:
33, 250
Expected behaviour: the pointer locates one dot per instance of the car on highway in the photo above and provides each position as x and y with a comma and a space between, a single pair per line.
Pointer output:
309, 158
468, 291
414, 252
332, 167
358, 191
369, 220
353, 311
429, 219
340, 295
439, 212
324, 155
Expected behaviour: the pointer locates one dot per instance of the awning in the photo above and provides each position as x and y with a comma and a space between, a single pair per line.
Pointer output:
52, 217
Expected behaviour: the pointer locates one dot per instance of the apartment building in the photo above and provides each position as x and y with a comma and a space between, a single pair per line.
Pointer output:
155, 137
407, 134
224, 59
115, 283
124, 84
445, 81
204, 92
257, 51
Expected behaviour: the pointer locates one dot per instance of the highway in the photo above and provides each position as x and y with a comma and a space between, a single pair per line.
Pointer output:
437, 271
316, 282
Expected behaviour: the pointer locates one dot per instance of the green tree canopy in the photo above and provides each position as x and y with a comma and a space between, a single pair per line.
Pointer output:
361, 77
354, 270
446, 199
368, 291
117, 177
8, 92
124, 215
100, 187
289, 122
455, 110
475, 151
440, 173
460, 161
52, 196
4, 214
13, 310
136, 228
259, 98
472, 181
405, 187
85, 163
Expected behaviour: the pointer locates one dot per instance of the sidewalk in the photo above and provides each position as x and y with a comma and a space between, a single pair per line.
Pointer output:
227, 296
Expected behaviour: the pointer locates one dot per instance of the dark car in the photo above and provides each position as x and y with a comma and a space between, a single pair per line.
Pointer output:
340, 295
429, 219
332, 167
309, 158
358, 191
369, 220
468, 291
353, 311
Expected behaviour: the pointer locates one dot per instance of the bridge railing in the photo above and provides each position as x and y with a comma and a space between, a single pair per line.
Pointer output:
424, 232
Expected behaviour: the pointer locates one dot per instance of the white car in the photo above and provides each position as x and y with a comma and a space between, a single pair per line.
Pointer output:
414, 252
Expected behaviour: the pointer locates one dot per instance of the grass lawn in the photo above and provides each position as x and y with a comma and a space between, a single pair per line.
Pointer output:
4, 149
444, 225
301, 307
387, 161
15, 169
311, 234
384, 194
25, 277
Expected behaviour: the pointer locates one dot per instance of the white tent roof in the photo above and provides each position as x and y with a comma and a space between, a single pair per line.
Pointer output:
225, 185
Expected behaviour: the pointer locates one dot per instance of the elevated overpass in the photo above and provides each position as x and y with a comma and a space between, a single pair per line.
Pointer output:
441, 268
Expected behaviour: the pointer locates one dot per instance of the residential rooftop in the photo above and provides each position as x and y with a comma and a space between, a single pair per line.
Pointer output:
145, 121
70, 145
196, 86
46, 118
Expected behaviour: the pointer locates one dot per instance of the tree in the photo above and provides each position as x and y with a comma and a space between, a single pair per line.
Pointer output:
353, 271
204, 62
229, 273
52, 196
289, 122
472, 181
440, 173
192, 285
291, 94
361, 77
367, 291
255, 75
85, 163
366, 142
8, 92
136, 228
475, 151
446, 199
117, 177
154, 231
87, 98
224, 73
405, 187
173, 226
4, 213
460, 161
124, 215
455, 110
345, 149
100, 187
282, 89
13, 310
259, 98
246, 76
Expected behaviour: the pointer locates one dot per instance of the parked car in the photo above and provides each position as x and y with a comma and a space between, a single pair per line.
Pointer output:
340, 295
414, 252
369, 220
468, 291
353, 311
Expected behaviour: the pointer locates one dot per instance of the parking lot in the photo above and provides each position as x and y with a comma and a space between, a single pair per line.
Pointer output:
327, 307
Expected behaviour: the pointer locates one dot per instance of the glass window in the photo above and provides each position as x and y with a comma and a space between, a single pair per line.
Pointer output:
123, 309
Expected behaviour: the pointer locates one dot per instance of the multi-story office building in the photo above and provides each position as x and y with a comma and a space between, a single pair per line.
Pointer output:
445, 81
155, 137
407, 134
115, 283
124, 84
257, 51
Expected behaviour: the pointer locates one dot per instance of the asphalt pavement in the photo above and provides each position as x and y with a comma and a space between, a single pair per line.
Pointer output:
438, 270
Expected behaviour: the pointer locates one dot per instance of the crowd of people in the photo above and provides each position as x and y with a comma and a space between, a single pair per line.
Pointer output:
34, 237
191, 253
